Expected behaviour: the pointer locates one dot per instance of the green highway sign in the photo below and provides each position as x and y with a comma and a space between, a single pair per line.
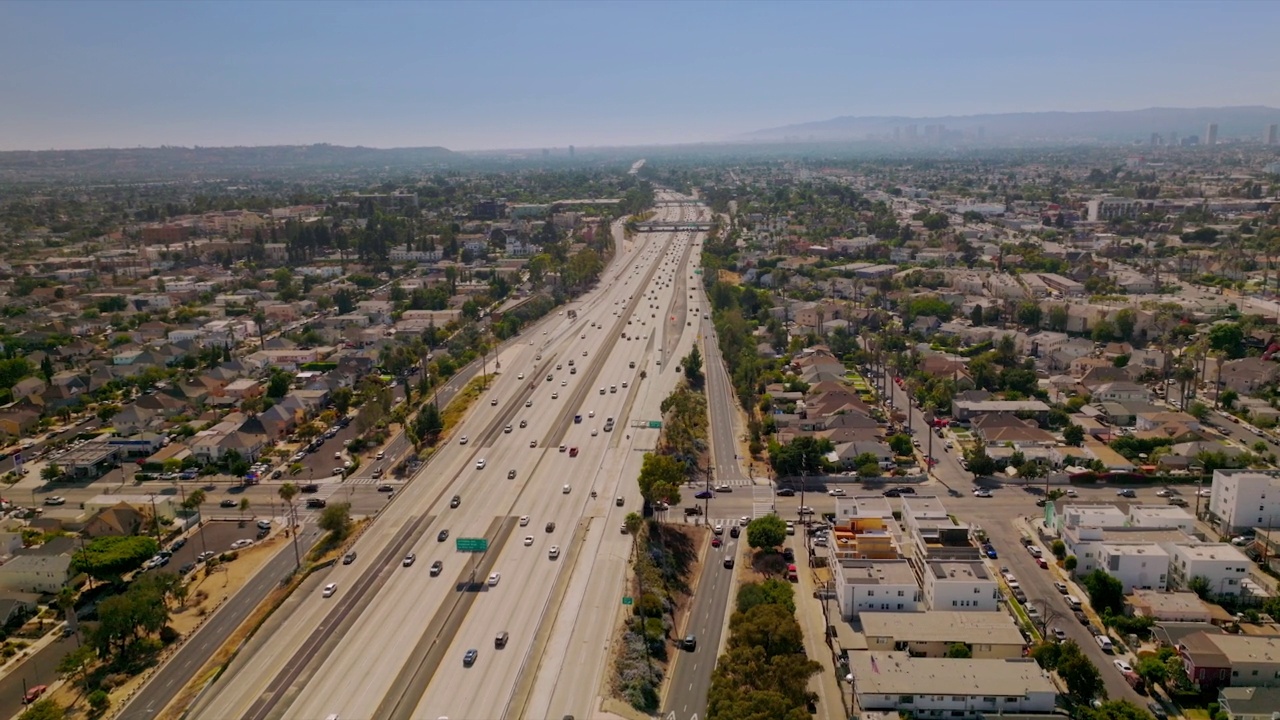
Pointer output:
627, 600
473, 545
655, 424
697, 271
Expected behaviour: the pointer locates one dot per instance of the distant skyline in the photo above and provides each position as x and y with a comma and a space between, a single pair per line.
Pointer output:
490, 75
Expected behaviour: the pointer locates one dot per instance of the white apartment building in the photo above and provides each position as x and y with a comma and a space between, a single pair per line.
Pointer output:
1138, 565
1243, 499
960, 586
880, 585
1110, 207
1222, 565
1161, 517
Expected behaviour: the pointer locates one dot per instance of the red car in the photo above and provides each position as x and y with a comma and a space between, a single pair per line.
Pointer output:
33, 694
573, 452
715, 542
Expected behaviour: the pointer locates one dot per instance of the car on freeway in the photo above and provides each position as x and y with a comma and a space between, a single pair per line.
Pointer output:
554, 552
349, 558
462, 440
409, 560
456, 501
528, 403
551, 527
469, 658
524, 520
528, 540
524, 423
330, 589
533, 443
480, 464
495, 400
442, 536
494, 578
436, 567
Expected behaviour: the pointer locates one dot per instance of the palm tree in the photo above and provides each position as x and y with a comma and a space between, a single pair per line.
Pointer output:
244, 507
288, 492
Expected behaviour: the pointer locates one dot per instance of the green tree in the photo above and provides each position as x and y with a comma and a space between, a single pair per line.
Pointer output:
1200, 585
766, 533
981, 464
244, 507
51, 472
43, 710
975, 315
1083, 680
336, 520
1125, 321
75, 664
109, 558
900, 444
1106, 592
46, 369
1073, 435
99, 701
770, 592
692, 364
660, 479
345, 300
1070, 563
1227, 338
1228, 398
341, 399
278, 385
1059, 549
959, 651
1058, 318
427, 424
770, 627
1029, 314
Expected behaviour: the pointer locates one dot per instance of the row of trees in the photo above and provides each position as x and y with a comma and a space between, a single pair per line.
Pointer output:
764, 672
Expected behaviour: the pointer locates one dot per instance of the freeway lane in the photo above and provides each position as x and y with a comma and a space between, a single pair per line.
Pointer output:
359, 672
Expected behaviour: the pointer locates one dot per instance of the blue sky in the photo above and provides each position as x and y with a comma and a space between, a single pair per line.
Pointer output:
527, 74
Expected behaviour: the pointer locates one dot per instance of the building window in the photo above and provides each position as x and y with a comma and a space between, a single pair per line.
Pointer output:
871, 593
899, 593
906, 699
989, 700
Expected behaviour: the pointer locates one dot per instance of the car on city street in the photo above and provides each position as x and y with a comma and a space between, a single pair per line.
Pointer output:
786, 492
1122, 666
836, 492
33, 694
227, 503
55, 500
724, 487
1127, 493
385, 488
1061, 587
982, 493
1059, 634
241, 543
703, 494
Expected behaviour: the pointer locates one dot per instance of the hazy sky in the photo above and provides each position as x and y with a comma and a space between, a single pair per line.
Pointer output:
529, 74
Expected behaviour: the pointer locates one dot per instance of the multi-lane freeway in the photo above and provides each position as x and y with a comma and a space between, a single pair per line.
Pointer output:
390, 640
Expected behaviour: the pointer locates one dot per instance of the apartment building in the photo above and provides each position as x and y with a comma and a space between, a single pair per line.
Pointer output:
952, 688
1244, 499
881, 585
932, 633
959, 585
1223, 566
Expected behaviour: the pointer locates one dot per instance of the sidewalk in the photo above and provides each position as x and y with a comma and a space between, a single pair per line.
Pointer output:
814, 624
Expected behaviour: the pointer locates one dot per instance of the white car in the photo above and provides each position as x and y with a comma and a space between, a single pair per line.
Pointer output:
982, 493
594, 432
591, 413
1164, 493
835, 492
480, 464
330, 589
462, 440
555, 396
494, 578
1122, 666
241, 543
520, 376
528, 540
524, 520
528, 403
554, 552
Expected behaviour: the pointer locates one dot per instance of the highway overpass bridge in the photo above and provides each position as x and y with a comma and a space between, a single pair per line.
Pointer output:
681, 226
687, 202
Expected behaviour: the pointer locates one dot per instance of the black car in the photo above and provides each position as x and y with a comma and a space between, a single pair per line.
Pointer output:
734, 531
349, 558
456, 501
263, 532
444, 535
310, 488
907, 490
551, 527
704, 494
177, 544
385, 488
316, 502
228, 503
469, 658
786, 492
893, 492
436, 567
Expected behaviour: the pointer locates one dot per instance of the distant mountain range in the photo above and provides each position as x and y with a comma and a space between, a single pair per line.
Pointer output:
1094, 126
208, 162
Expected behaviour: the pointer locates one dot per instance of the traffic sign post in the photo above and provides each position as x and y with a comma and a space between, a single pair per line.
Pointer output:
627, 600
475, 546
655, 424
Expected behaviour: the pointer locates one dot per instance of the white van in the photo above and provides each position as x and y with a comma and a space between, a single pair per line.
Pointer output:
1073, 602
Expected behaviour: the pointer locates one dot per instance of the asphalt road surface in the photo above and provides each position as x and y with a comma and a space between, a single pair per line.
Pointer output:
413, 667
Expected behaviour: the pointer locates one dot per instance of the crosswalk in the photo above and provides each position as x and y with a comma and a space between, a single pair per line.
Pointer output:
369, 480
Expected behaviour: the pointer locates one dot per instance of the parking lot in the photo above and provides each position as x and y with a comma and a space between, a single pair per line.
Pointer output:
215, 536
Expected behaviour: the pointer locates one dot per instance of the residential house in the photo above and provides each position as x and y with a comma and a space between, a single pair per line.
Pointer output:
1249, 703
1120, 391
121, 519
1246, 375
1212, 661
